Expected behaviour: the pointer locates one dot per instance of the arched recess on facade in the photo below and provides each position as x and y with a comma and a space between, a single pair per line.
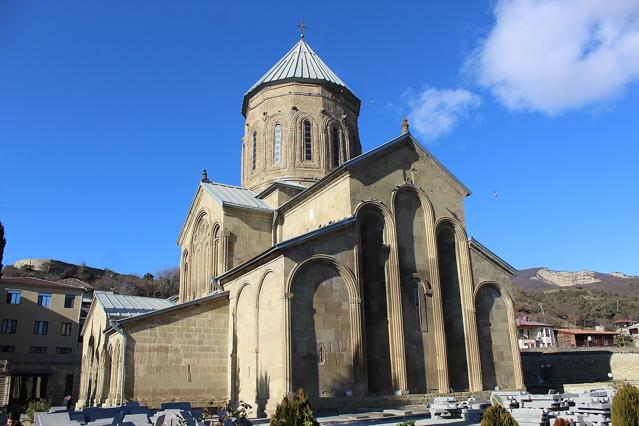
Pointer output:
244, 369
380, 289
114, 381
254, 129
323, 324
269, 329
203, 251
329, 125
449, 246
89, 380
100, 362
300, 142
185, 275
269, 138
498, 347
84, 380
421, 307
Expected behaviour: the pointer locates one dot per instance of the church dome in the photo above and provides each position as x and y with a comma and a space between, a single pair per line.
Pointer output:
300, 122
300, 64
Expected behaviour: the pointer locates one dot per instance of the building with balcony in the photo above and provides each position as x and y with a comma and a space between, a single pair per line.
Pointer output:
533, 334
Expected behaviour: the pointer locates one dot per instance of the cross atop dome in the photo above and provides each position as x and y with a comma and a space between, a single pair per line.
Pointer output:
302, 27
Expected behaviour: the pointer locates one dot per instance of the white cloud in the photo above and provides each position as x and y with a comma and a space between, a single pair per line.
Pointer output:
434, 112
555, 55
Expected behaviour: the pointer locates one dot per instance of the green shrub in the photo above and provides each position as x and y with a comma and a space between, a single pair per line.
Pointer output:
497, 415
559, 421
294, 410
236, 414
407, 423
37, 406
625, 406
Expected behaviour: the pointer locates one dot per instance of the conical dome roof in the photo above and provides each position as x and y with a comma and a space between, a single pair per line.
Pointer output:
301, 64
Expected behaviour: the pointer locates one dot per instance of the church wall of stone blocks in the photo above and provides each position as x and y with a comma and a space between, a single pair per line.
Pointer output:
342, 273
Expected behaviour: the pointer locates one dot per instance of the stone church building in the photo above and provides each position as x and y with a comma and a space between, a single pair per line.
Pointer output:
347, 274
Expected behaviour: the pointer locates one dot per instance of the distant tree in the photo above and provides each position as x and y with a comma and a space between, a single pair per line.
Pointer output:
3, 242
623, 340
148, 276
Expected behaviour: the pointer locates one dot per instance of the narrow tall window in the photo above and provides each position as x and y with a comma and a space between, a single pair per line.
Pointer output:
254, 159
308, 147
335, 140
277, 148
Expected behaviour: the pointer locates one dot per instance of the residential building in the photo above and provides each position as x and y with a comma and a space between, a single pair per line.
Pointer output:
39, 339
621, 325
574, 337
533, 334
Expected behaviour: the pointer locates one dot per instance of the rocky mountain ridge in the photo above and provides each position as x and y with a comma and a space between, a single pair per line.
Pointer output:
543, 278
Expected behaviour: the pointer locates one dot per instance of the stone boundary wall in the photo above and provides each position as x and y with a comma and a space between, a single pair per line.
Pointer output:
552, 368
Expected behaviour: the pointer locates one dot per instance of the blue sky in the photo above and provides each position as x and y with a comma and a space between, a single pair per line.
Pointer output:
109, 111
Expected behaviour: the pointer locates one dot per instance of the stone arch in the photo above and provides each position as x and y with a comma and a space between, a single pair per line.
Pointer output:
103, 376
84, 374
244, 344
201, 255
414, 224
448, 257
258, 129
114, 394
269, 138
185, 275
106, 374
498, 347
89, 382
357, 348
269, 330
323, 333
374, 233
328, 124
316, 152
216, 255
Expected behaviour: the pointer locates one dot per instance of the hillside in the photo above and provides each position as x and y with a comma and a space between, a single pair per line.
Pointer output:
163, 284
582, 298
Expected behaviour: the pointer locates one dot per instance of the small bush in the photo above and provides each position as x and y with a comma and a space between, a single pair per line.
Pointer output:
407, 423
625, 406
559, 421
294, 410
497, 416
37, 406
235, 414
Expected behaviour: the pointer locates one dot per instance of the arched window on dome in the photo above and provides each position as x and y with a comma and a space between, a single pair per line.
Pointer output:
308, 145
254, 158
335, 142
277, 147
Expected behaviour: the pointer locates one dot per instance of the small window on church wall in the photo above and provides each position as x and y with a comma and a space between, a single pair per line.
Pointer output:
421, 306
277, 148
308, 151
321, 354
254, 158
336, 144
